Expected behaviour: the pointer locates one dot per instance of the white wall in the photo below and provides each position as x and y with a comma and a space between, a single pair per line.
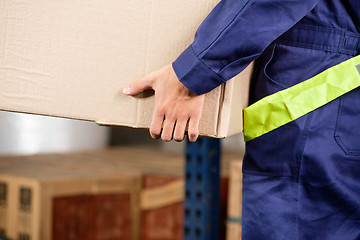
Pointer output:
22, 134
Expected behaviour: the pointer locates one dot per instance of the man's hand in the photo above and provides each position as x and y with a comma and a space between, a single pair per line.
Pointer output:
175, 105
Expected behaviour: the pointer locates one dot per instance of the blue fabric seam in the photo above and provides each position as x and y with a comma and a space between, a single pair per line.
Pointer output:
237, 60
326, 30
266, 69
207, 67
320, 47
340, 47
199, 66
231, 22
341, 42
341, 144
299, 157
268, 174
345, 149
337, 118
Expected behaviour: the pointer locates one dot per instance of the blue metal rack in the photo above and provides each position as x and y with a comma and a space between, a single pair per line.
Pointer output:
202, 190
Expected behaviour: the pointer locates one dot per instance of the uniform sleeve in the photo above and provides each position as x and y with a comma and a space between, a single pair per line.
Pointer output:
234, 34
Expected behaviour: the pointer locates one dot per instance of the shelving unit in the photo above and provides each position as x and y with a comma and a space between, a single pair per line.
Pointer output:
202, 189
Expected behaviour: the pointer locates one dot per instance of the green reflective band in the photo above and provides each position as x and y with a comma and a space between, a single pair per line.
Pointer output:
287, 105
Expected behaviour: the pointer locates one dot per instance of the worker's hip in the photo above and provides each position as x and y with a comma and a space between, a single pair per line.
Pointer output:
302, 53
293, 58
302, 179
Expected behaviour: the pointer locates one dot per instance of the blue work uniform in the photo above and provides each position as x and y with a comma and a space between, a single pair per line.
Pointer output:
302, 180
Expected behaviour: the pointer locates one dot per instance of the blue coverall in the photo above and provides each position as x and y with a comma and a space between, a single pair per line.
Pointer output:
302, 180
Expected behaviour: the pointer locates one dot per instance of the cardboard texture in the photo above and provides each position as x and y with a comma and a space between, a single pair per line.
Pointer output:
32, 215
233, 228
100, 217
4, 203
38, 186
73, 58
37, 181
163, 219
162, 195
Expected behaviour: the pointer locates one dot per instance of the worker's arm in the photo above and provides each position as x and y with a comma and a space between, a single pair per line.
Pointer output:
175, 105
233, 35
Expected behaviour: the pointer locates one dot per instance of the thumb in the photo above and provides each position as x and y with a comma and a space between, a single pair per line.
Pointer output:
138, 87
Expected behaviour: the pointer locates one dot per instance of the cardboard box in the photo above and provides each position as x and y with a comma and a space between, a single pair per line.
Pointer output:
233, 229
38, 187
143, 185
34, 213
162, 207
73, 58
4, 203
43, 192
100, 217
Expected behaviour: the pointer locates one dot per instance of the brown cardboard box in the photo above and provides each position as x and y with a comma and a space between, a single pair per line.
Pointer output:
4, 203
73, 58
161, 206
162, 220
95, 184
35, 213
98, 217
233, 229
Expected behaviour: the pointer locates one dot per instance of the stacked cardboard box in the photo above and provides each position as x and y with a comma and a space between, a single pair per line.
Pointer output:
123, 193
162, 212
4, 210
162, 220
34, 199
233, 230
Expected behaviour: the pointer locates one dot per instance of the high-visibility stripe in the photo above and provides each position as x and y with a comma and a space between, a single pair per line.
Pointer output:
287, 105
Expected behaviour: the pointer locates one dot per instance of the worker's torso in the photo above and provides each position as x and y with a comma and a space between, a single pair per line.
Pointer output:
307, 171
332, 27
337, 14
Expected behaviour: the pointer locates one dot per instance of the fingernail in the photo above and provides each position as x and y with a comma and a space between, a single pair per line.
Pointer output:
126, 90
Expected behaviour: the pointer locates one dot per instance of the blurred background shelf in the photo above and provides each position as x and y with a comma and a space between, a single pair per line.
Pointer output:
70, 179
71, 195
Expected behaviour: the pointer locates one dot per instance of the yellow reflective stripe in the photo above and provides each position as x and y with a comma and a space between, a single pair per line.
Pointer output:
287, 105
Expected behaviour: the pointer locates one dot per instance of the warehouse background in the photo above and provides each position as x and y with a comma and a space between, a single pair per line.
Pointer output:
72, 179
30, 134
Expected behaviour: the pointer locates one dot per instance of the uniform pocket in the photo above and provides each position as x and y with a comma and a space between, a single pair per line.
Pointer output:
347, 131
290, 65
